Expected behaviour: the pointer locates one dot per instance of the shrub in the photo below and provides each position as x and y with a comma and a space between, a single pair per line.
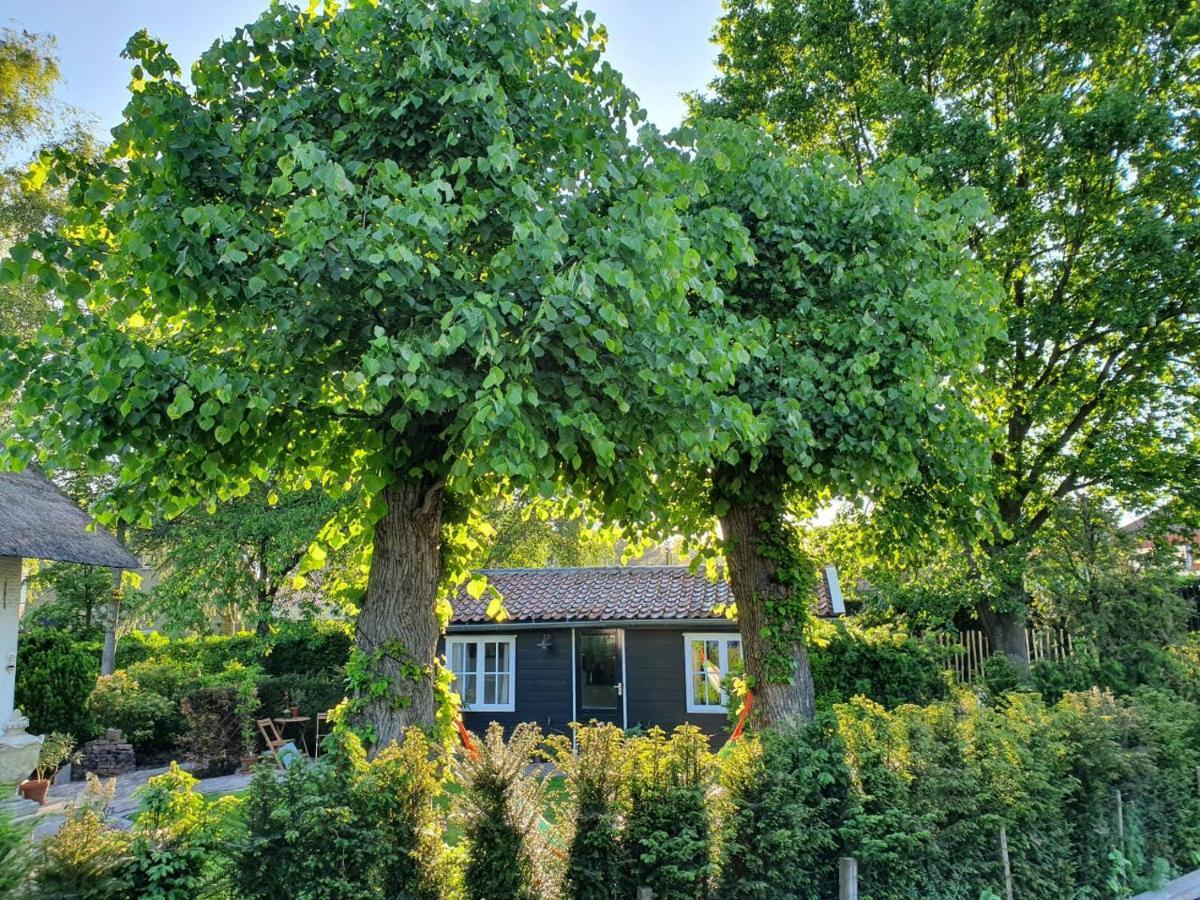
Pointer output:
55, 675
788, 803
595, 812
883, 663
308, 824
151, 722
667, 839
500, 810
86, 859
176, 838
15, 858
308, 647
396, 792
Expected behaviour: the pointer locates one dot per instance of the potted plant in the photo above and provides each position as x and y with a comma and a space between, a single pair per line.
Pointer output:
56, 750
297, 697
249, 746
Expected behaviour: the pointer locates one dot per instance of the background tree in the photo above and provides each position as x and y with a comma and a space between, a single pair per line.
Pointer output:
530, 532
402, 248
72, 597
872, 318
237, 561
1079, 122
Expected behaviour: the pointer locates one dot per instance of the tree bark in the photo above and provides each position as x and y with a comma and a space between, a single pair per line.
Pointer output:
754, 580
108, 655
398, 620
1006, 634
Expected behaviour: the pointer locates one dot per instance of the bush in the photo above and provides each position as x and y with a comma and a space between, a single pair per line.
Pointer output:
210, 653
667, 840
595, 812
788, 804
307, 824
86, 859
55, 675
500, 809
308, 647
176, 838
151, 722
883, 663
343, 827
397, 791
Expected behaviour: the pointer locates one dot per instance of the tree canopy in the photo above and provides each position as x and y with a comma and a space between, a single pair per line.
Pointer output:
1079, 123
403, 247
873, 317
238, 561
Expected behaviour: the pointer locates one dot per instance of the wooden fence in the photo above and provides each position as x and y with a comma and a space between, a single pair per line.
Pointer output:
969, 649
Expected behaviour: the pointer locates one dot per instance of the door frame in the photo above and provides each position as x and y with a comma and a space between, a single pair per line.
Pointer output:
576, 700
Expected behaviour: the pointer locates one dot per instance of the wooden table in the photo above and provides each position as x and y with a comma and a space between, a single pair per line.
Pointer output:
284, 721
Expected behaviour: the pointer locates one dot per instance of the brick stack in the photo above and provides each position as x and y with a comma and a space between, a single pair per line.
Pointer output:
108, 756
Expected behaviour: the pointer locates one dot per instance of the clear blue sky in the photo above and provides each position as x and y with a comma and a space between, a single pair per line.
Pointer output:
661, 46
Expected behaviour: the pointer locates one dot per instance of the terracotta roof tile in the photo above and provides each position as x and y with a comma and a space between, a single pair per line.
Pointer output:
613, 593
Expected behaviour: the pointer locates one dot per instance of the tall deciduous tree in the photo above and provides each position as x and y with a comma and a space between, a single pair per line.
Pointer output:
402, 246
1079, 121
873, 317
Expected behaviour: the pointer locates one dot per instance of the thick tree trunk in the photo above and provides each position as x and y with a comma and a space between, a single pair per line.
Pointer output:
754, 580
398, 621
1004, 618
1006, 634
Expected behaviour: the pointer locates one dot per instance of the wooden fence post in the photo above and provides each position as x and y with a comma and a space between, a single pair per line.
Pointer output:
1008, 881
847, 878
1121, 819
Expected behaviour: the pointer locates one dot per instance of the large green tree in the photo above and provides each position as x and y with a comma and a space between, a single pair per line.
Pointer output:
873, 317
1079, 122
404, 247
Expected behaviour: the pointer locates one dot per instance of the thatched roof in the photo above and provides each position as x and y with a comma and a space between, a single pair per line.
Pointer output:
38, 521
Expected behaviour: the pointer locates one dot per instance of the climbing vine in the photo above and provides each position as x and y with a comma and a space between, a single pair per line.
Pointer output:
786, 610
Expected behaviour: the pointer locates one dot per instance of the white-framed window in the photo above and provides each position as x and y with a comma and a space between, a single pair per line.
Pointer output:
708, 657
485, 671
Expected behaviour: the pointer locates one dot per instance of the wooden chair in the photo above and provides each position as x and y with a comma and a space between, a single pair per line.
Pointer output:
271, 737
322, 719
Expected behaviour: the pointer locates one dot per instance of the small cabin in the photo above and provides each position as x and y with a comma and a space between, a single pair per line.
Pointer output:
637, 646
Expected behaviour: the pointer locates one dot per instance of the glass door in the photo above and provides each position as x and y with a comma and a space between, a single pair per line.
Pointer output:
599, 675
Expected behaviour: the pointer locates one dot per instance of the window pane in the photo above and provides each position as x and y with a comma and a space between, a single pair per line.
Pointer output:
489, 688
502, 688
466, 689
712, 668
735, 657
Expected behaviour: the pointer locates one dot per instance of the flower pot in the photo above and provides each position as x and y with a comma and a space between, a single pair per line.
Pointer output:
248, 763
35, 789
295, 712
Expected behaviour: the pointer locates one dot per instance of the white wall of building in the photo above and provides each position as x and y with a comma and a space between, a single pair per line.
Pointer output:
10, 618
